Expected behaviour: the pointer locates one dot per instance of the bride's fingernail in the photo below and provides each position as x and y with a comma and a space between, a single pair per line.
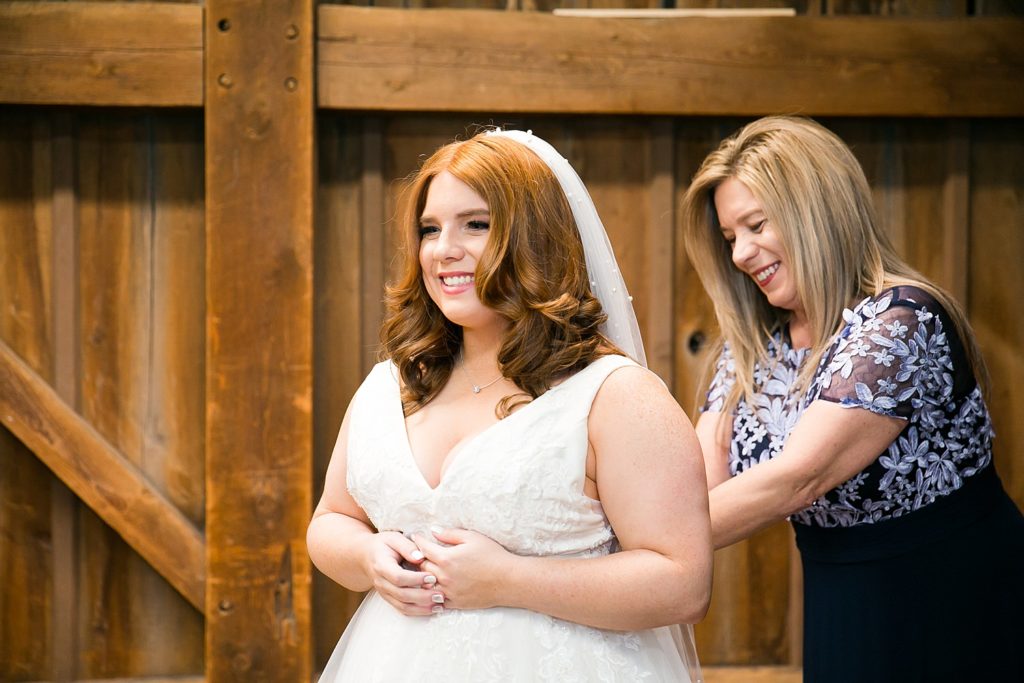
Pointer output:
436, 530
437, 597
430, 579
417, 555
437, 609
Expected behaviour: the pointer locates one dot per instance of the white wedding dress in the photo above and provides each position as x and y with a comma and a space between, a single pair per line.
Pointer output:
520, 482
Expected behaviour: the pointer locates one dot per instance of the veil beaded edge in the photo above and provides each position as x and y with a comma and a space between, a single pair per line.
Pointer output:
606, 281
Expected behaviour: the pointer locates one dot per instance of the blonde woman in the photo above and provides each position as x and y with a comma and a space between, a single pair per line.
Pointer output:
848, 397
523, 500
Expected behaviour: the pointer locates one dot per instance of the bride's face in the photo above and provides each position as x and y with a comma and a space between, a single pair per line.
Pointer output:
454, 229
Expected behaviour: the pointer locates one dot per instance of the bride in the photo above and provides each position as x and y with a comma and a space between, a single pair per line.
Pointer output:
522, 499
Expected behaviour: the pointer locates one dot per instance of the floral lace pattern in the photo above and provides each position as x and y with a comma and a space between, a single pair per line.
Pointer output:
897, 355
520, 482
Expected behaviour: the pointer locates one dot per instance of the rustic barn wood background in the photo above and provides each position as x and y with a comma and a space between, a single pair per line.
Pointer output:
195, 207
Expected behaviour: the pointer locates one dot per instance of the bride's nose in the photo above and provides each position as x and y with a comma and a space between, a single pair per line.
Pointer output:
449, 246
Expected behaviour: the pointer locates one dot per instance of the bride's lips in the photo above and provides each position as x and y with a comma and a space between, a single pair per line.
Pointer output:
456, 282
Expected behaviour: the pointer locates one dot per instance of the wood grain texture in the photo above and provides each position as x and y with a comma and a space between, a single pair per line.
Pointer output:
259, 121
404, 60
341, 346
27, 624
996, 281
660, 256
101, 53
99, 475
753, 674
64, 504
26, 563
125, 369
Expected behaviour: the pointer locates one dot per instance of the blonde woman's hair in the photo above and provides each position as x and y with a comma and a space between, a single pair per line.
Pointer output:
815, 196
532, 272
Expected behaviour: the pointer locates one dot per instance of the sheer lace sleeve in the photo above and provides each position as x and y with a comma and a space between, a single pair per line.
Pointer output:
721, 383
890, 358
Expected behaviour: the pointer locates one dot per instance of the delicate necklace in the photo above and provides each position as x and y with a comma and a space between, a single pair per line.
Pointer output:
477, 388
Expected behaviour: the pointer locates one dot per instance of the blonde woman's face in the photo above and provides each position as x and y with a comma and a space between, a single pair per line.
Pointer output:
756, 248
454, 229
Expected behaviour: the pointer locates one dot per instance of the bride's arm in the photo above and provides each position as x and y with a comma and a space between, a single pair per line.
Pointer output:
651, 480
343, 544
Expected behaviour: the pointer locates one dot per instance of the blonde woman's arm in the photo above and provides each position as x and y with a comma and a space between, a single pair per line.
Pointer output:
713, 432
829, 444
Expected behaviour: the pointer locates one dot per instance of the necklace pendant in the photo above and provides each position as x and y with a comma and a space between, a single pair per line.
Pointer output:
476, 389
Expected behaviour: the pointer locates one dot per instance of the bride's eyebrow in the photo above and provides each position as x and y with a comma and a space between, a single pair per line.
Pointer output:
427, 218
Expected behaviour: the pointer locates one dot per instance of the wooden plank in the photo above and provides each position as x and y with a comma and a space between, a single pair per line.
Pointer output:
339, 346
26, 562
405, 60
753, 674
64, 505
996, 252
956, 211
101, 53
123, 342
747, 621
660, 256
101, 476
141, 679
27, 592
373, 241
172, 428
259, 120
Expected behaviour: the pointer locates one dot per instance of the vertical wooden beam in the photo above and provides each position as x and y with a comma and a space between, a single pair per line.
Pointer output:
661, 249
259, 121
63, 504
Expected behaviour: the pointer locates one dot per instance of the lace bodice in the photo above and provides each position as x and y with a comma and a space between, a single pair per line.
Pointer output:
897, 355
519, 482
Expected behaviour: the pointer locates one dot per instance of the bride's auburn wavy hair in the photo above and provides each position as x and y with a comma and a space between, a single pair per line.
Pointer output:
532, 272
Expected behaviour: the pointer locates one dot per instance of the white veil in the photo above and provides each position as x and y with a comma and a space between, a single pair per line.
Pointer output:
608, 286
605, 279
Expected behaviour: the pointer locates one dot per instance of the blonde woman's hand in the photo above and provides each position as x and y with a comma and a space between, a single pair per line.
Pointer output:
469, 567
394, 564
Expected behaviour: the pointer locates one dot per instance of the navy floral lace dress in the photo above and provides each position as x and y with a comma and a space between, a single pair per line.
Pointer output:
914, 568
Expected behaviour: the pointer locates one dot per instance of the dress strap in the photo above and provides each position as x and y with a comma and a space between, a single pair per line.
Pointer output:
584, 385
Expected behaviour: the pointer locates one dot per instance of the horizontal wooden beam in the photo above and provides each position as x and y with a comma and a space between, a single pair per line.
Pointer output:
101, 53
102, 477
532, 62
753, 674
143, 679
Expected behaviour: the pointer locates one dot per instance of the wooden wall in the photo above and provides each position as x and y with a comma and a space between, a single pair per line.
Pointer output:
101, 241
103, 294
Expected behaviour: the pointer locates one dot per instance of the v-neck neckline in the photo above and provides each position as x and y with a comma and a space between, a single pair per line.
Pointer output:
451, 458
